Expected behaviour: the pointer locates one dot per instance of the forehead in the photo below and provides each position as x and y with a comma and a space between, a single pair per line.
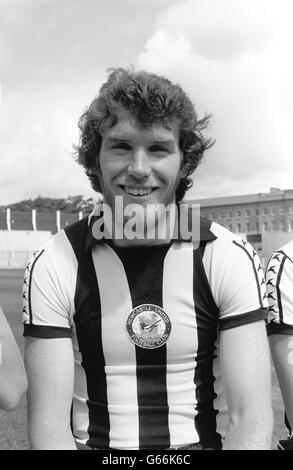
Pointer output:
127, 127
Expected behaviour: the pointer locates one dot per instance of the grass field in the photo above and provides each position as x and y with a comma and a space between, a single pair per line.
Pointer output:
13, 430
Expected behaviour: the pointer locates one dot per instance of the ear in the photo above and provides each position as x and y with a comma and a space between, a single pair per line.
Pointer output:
93, 171
183, 171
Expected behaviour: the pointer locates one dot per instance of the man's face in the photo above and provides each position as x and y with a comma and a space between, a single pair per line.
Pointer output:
141, 164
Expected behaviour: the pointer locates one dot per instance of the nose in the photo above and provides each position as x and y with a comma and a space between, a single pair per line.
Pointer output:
139, 166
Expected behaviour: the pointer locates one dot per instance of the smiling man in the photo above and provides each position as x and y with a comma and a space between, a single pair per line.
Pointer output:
153, 175
141, 165
140, 342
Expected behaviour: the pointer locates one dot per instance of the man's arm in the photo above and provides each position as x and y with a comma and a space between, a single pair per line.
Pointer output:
13, 382
245, 365
279, 276
50, 370
282, 353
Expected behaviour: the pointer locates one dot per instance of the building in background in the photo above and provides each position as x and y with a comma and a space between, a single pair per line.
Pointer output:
264, 219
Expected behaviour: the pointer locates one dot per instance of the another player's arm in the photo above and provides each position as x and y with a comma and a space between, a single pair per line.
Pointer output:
282, 353
280, 327
245, 366
13, 381
50, 370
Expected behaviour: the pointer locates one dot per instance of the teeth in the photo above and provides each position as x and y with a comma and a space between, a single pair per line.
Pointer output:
138, 191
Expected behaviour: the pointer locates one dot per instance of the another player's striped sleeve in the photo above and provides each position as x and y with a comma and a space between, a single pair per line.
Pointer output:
48, 282
279, 282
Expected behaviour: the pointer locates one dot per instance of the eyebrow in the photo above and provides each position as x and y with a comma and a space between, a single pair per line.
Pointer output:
158, 141
116, 139
164, 141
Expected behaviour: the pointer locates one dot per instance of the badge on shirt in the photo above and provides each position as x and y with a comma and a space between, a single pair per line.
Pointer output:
148, 326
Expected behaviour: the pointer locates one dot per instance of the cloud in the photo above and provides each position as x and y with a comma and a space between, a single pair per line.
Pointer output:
51, 41
222, 29
36, 135
232, 57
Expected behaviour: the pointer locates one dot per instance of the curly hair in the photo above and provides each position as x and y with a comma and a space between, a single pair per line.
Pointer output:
150, 99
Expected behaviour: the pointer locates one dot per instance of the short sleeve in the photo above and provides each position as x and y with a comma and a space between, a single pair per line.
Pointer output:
279, 281
47, 300
237, 281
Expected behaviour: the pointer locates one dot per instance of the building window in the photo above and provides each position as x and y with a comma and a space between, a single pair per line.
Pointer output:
264, 211
248, 227
230, 214
247, 212
238, 213
231, 228
281, 211
274, 225
265, 226
257, 227
256, 212
273, 211
212, 215
238, 227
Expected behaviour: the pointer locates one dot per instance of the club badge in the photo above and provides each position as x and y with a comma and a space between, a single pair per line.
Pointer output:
148, 326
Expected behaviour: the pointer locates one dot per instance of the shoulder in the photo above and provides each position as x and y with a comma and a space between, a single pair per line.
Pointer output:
226, 242
60, 251
287, 250
56, 246
231, 258
69, 238
222, 234
283, 257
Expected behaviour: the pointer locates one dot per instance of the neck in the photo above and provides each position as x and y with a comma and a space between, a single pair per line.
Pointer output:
150, 226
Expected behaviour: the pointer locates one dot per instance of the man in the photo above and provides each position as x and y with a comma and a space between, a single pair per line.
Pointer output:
279, 277
13, 381
147, 320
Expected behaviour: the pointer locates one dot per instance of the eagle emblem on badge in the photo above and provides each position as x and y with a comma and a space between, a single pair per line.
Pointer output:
148, 326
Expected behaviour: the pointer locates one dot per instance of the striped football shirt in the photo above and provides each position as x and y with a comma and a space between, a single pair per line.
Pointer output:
144, 323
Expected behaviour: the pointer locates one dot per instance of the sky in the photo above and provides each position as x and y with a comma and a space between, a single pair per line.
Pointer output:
233, 58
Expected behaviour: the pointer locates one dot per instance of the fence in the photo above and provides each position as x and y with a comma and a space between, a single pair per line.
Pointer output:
37, 221
21, 233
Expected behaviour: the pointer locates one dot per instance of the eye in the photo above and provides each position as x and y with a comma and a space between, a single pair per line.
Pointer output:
121, 146
159, 148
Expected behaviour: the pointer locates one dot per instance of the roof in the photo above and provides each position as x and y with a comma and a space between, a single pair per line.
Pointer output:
273, 195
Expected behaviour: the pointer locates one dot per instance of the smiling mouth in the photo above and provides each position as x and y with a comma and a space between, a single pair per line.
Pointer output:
137, 191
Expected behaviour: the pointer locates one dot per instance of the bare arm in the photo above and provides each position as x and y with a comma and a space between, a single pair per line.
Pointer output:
50, 369
13, 382
282, 353
245, 364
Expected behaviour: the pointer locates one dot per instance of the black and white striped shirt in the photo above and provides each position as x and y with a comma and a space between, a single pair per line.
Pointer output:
160, 395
